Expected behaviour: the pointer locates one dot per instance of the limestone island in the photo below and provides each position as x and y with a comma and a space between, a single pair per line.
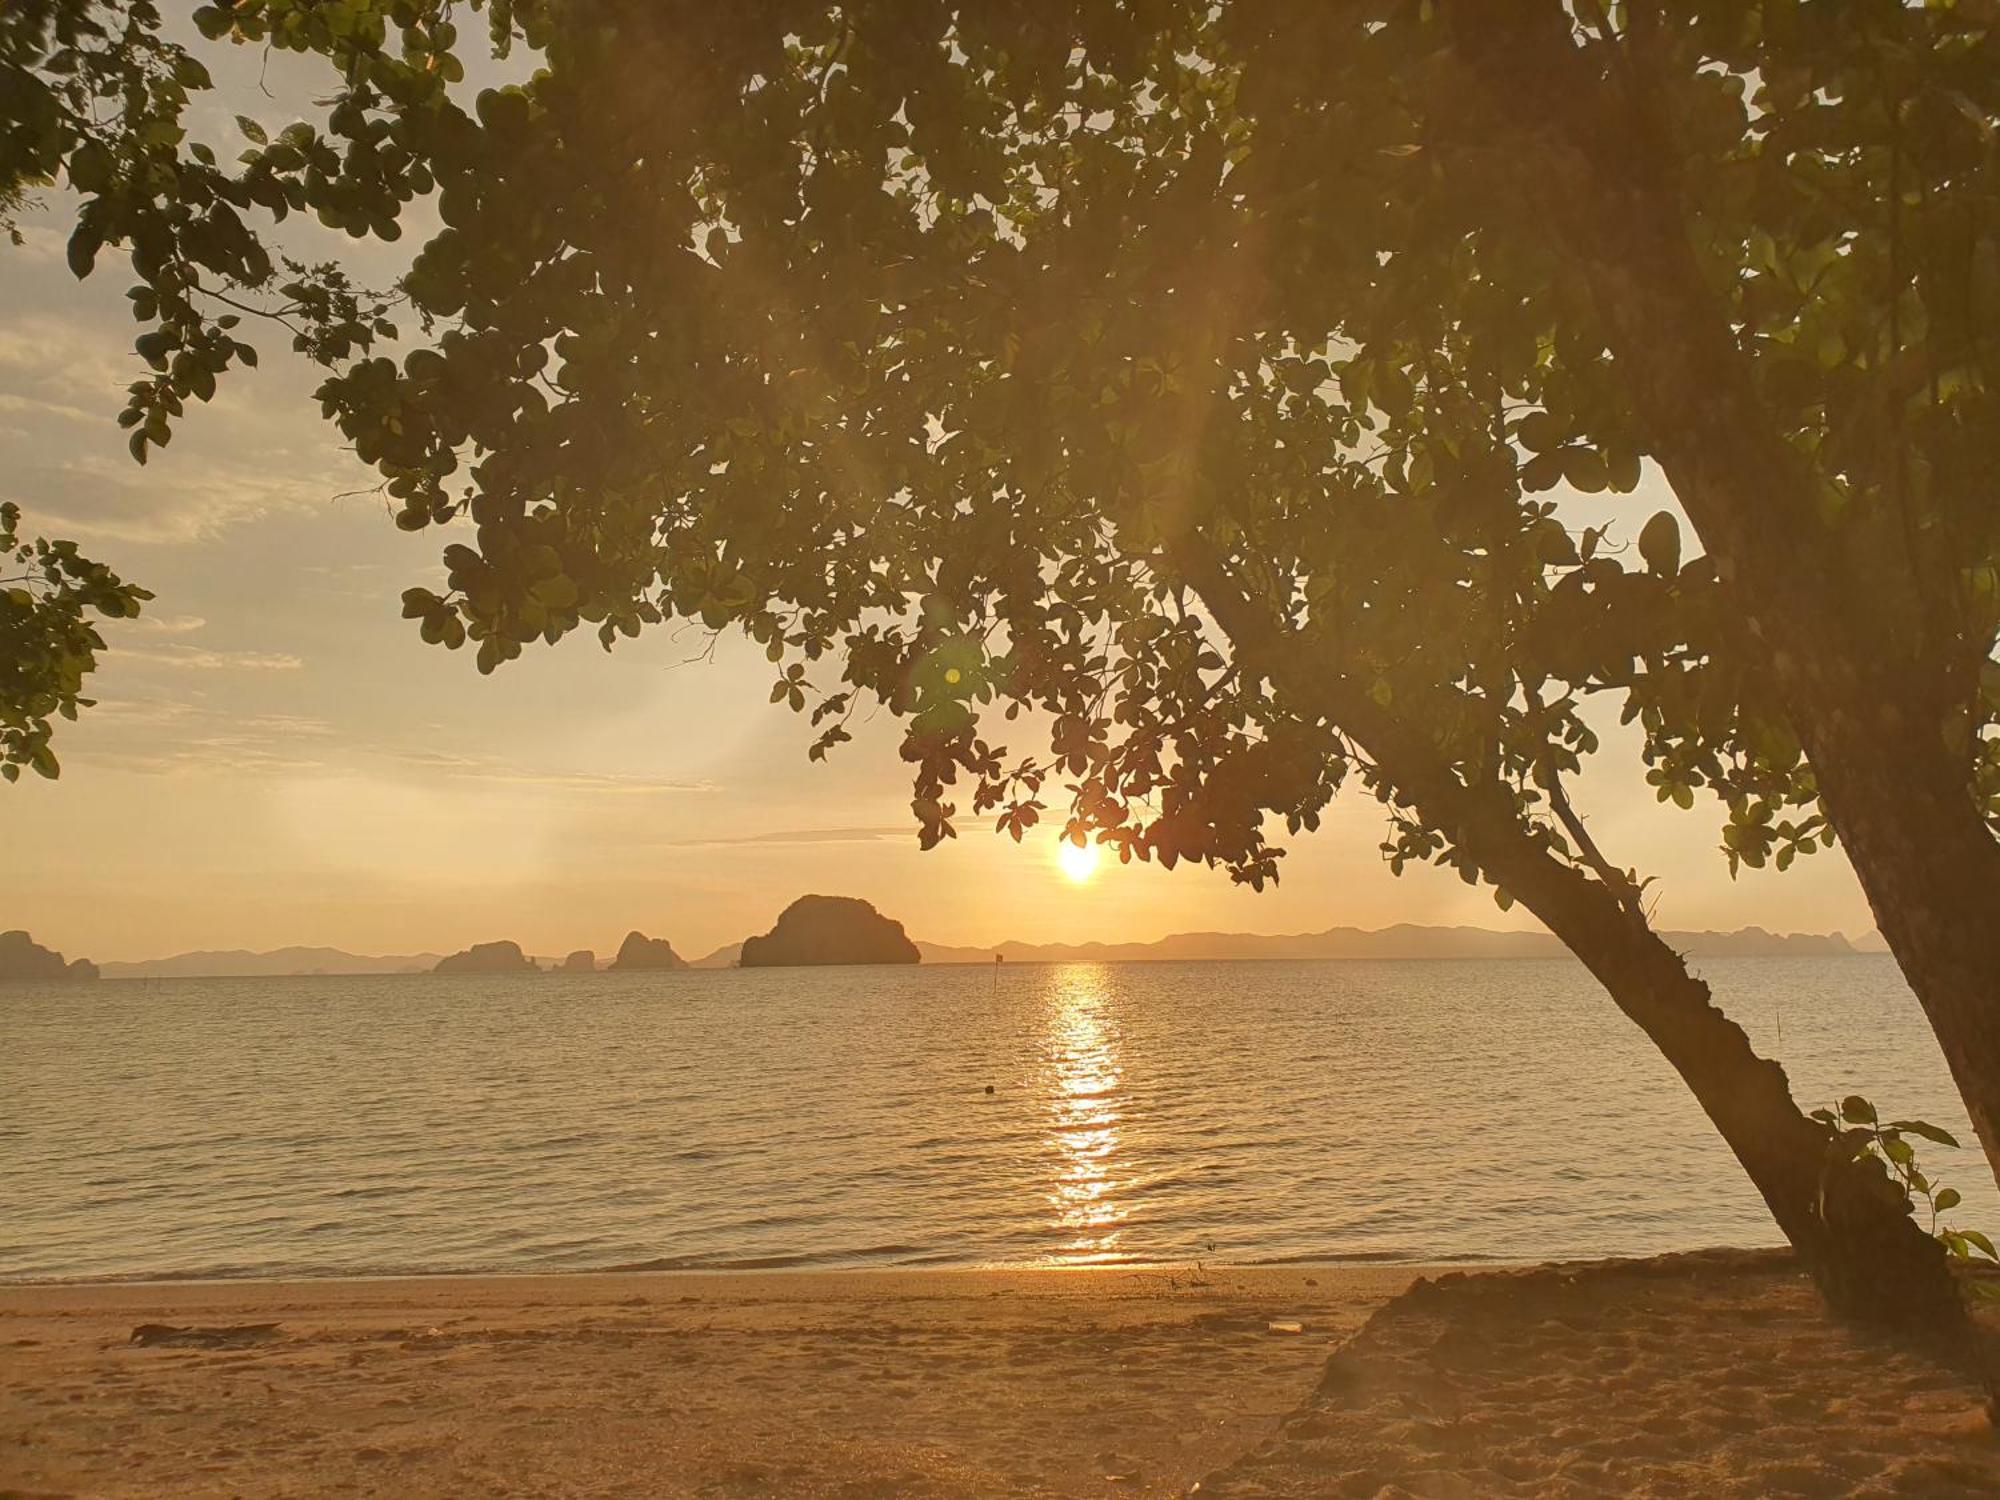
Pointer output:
487, 958
583, 961
21, 957
641, 952
830, 930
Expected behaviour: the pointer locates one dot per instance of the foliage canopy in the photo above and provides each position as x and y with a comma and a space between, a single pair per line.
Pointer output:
48, 642
941, 351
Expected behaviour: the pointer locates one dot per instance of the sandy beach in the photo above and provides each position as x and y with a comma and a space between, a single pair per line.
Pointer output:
865, 1384
1687, 1376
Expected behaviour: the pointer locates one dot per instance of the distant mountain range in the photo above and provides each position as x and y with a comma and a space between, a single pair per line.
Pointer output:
239, 962
1402, 941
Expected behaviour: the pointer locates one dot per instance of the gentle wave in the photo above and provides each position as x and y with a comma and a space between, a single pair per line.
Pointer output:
1147, 1114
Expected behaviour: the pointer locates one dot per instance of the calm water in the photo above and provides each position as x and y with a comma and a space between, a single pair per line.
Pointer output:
1235, 1112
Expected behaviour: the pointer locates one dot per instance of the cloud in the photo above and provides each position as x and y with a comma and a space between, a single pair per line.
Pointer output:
94, 496
255, 450
37, 406
799, 836
179, 654
235, 755
41, 243
119, 711
161, 736
159, 624
487, 768
170, 736
43, 356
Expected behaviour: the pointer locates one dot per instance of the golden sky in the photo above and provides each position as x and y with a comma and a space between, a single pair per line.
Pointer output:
277, 759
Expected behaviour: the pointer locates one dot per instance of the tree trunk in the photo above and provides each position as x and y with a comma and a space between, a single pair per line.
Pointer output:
1931, 871
1869, 685
1851, 1226
1872, 719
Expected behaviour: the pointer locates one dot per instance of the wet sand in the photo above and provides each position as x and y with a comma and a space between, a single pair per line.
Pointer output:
1686, 1376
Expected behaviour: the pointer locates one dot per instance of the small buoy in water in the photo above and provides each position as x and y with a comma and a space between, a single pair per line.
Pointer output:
989, 1088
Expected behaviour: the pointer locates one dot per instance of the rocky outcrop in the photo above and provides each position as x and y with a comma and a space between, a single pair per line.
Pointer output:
487, 958
641, 952
830, 930
21, 957
583, 961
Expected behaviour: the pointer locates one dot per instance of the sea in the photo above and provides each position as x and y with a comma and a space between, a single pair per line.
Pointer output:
1066, 1114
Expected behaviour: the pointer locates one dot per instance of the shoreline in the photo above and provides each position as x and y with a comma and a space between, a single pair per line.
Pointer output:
1263, 1280
1189, 1272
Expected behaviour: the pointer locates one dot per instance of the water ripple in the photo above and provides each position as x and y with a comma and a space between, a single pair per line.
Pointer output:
1271, 1113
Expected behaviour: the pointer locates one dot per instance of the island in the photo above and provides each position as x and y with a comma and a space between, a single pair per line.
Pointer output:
830, 930
583, 961
641, 952
487, 958
21, 957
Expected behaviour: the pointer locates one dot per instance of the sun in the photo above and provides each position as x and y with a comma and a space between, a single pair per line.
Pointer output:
1078, 863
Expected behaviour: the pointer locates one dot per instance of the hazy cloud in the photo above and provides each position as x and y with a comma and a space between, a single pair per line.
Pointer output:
62, 384
487, 768
152, 735
42, 358
204, 659
799, 836
38, 406
159, 624
97, 496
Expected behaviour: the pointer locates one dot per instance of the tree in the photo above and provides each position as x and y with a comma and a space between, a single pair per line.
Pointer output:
48, 589
1186, 377
48, 645
1798, 292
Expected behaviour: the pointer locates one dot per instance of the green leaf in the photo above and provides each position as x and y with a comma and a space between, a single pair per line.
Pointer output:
1927, 1131
1539, 432
1857, 1111
84, 243
1542, 472
1660, 544
557, 592
1585, 469
1946, 1200
90, 168
253, 130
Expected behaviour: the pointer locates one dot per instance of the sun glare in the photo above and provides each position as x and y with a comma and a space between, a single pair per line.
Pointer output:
1079, 864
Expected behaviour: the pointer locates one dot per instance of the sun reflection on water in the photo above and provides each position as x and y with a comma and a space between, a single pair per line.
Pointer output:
1081, 1052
